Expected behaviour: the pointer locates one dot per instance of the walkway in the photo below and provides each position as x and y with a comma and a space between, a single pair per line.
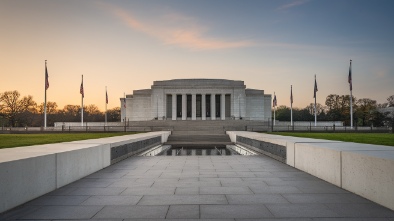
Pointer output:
192, 187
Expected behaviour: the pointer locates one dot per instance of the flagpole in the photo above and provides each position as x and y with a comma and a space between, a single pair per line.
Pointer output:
124, 105
106, 102
45, 98
82, 95
291, 105
274, 107
315, 89
351, 96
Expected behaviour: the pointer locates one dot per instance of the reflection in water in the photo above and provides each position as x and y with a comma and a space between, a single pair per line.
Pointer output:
203, 151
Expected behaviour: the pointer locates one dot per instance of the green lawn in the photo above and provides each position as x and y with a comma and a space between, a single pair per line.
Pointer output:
368, 138
18, 140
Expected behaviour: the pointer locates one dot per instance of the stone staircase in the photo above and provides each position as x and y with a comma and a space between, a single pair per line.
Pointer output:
198, 140
199, 133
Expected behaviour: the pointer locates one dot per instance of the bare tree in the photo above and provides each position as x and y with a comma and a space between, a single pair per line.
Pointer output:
12, 106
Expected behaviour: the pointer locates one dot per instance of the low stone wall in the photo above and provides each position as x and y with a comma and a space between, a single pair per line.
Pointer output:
366, 170
122, 152
29, 172
310, 123
275, 151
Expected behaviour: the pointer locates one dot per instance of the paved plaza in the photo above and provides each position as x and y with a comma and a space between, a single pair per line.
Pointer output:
200, 187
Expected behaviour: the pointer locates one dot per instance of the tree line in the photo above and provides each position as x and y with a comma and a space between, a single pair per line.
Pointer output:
17, 111
20, 111
366, 112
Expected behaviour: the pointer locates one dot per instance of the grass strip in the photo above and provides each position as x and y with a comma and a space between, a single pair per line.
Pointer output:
367, 138
19, 140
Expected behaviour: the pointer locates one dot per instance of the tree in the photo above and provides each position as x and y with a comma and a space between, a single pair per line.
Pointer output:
364, 111
113, 115
390, 101
51, 108
93, 114
339, 108
283, 113
12, 106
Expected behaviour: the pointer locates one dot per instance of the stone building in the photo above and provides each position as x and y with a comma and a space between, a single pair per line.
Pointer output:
196, 99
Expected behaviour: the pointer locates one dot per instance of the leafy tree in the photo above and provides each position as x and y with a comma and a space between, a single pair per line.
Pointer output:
365, 110
390, 101
283, 113
113, 115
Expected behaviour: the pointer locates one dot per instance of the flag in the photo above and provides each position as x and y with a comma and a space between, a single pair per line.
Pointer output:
124, 103
291, 95
46, 78
314, 93
106, 97
274, 102
81, 89
349, 79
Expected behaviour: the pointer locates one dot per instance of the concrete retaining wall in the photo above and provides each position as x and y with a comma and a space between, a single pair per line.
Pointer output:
364, 169
29, 172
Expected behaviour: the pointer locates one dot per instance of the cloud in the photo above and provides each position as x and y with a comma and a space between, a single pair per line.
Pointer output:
292, 4
179, 30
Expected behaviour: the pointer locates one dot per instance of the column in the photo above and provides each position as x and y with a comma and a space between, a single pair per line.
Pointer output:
184, 106
223, 106
173, 106
203, 107
194, 100
213, 107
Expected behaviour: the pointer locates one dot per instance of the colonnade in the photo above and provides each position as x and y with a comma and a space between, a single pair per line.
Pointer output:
206, 109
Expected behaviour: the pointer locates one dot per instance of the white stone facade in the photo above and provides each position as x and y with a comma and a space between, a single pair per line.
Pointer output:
196, 99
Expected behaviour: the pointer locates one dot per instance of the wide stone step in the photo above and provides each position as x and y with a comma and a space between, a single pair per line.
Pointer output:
199, 138
198, 132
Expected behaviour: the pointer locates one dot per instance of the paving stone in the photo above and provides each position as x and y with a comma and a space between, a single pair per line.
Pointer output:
112, 200
63, 191
225, 190
18, 212
234, 211
104, 175
274, 189
236, 174
256, 199
324, 198
189, 184
92, 183
64, 212
94, 191
125, 212
58, 200
261, 179
179, 219
321, 188
301, 210
207, 187
131, 183
277, 219
187, 190
361, 210
182, 199
264, 174
184, 212
141, 190
350, 219
89, 220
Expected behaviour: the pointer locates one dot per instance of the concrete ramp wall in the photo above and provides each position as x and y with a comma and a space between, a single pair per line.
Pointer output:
29, 172
364, 169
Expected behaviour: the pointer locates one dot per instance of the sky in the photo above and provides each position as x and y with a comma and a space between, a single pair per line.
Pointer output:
125, 45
